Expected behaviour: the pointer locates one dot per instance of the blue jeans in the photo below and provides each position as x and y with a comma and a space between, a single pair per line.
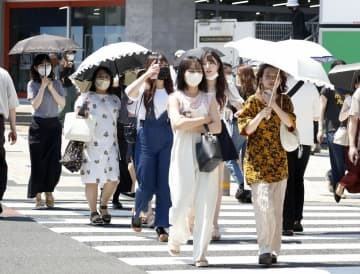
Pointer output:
337, 159
152, 162
240, 145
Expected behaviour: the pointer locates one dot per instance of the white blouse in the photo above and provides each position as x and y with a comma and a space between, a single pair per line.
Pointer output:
160, 103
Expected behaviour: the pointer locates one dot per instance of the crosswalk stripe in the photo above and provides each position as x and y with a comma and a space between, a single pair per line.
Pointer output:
111, 238
239, 260
224, 207
225, 247
306, 214
221, 221
277, 270
229, 238
329, 231
109, 229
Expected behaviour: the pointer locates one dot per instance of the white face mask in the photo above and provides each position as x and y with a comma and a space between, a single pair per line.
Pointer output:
70, 57
102, 84
44, 70
212, 77
193, 79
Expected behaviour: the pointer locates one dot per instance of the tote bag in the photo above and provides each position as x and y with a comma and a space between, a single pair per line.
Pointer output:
290, 140
208, 152
78, 128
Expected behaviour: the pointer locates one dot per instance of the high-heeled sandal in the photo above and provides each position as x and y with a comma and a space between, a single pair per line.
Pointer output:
39, 203
340, 189
95, 218
106, 217
49, 200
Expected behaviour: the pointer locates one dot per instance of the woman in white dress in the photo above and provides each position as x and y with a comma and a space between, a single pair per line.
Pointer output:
101, 156
190, 107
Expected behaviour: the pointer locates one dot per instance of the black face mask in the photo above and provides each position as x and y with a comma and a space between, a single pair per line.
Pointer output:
164, 73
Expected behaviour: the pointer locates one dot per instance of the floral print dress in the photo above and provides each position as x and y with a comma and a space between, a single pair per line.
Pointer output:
101, 155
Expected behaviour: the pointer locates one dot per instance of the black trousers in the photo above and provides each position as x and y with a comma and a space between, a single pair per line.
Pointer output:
45, 155
294, 197
125, 178
3, 165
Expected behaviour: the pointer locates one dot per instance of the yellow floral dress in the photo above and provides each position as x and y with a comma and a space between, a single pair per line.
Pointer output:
265, 159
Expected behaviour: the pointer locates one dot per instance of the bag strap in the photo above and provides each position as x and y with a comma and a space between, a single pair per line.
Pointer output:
295, 88
207, 128
84, 107
137, 110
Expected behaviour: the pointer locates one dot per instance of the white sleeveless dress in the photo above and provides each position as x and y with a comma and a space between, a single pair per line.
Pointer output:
189, 187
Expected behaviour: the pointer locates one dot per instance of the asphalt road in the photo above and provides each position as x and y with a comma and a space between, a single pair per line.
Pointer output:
62, 241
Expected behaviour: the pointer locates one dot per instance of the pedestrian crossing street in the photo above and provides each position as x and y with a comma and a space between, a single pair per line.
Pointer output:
330, 242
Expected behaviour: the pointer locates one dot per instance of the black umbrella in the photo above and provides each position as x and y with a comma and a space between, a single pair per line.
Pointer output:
118, 57
44, 43
344, 76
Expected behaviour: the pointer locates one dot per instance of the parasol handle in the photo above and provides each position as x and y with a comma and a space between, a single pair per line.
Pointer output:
273, 92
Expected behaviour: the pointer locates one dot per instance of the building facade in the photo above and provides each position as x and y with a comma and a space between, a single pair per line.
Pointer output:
159, 25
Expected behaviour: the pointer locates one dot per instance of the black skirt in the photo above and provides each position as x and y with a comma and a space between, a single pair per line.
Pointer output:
45, 155
228, 149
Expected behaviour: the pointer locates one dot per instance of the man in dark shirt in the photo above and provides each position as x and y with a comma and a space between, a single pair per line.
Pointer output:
299, 30
331, 102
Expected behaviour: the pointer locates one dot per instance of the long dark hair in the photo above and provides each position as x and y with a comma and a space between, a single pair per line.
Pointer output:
151, 87
184, 65
282, 87
39, 59
221, 84
247, 81
110, 90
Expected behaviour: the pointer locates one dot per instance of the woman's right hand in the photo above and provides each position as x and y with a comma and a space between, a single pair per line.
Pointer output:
45, 82
153, 70
320, 136
353, 155
265, 112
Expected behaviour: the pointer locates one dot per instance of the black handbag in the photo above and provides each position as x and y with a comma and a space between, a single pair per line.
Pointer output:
228, 150
73, 156
130, 129
130, 133
208, 152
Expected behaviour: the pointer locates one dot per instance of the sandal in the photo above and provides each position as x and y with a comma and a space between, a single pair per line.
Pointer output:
106, 217
162, 234
95, 218
202, 263
174, 250
136, 223
49, 200
39, 203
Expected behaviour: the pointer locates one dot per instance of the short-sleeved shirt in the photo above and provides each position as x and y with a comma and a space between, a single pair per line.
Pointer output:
335, 100
160, 103
8, 97
355, 110
265, 159
48, 107
355, 104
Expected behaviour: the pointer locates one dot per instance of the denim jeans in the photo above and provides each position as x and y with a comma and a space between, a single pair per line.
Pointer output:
337, 159
232, 165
